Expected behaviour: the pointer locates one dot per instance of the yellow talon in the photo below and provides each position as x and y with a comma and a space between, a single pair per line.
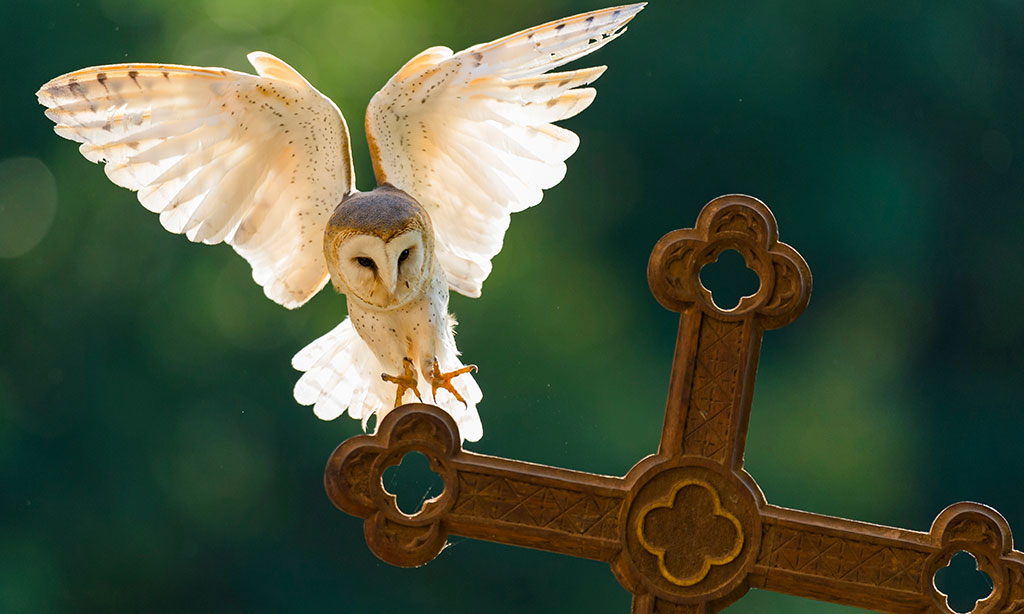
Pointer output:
444, 380
406, 381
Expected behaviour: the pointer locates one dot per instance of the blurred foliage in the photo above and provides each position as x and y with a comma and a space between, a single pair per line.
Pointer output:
151, 455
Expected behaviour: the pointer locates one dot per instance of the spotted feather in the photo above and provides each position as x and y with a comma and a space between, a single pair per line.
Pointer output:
261, 161
258, 161
470, 134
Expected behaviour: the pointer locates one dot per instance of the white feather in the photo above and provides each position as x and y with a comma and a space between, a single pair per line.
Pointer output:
260, 162
469, 134
342, 374
257, 161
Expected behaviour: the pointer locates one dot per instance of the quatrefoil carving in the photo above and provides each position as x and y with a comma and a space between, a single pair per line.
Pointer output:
353, 481
746, 225
669, 530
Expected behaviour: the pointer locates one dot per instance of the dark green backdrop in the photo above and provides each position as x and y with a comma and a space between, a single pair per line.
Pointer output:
152, 457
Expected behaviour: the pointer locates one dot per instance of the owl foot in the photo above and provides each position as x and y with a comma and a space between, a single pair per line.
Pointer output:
444, 380
405, 381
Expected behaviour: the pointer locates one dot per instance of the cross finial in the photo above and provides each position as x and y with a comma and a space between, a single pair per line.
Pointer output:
687, 530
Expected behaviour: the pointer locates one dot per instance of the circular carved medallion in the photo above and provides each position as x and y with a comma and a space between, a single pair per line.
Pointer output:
692, 530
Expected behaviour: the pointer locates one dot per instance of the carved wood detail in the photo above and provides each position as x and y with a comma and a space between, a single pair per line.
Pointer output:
687, 530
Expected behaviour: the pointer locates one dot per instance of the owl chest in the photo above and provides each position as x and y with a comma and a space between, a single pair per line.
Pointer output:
411, 331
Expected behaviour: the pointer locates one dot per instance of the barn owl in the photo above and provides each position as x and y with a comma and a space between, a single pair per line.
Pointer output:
459, 141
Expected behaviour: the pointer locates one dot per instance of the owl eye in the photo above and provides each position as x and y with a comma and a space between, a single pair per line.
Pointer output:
364, 261
402, 257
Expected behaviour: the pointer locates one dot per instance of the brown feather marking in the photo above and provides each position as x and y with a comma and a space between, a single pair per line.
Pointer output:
76, 88
134, 76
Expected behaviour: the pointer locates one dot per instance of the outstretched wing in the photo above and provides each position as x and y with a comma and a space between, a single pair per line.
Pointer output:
469, 135
257, 161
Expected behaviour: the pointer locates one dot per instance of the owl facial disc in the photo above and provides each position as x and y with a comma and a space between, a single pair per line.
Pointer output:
379, 246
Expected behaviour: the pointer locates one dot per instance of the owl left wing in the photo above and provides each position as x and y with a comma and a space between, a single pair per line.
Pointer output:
257, 161
470, 135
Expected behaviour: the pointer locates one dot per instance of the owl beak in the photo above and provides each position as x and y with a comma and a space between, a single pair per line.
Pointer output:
393, 285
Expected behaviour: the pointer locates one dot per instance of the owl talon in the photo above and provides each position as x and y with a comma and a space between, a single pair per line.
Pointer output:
444, 380
405, 381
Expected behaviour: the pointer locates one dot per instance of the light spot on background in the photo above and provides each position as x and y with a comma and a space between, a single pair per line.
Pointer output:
242, 16
212, 468
28, 203
241, 313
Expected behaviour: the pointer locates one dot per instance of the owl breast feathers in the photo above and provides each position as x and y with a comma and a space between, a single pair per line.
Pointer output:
459, 142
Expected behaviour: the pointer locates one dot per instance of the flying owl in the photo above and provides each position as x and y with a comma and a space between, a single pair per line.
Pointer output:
459, 141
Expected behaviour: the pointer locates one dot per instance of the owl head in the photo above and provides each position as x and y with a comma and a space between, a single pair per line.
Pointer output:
379, 247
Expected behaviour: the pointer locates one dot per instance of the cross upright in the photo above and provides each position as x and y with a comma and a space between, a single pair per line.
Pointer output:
686, 530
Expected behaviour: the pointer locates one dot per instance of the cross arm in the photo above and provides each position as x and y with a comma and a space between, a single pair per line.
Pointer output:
882, 568
716, 354
484, 497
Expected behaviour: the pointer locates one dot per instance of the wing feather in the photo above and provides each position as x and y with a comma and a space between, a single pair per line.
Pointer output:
470, 134
222, 156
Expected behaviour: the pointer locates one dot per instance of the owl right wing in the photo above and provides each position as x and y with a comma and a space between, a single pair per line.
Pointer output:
257, 161
470, 136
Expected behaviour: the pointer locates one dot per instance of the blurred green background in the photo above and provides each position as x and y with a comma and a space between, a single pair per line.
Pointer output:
152, 457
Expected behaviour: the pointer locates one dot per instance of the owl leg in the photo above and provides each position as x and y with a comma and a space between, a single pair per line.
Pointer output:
405, 381
444, 380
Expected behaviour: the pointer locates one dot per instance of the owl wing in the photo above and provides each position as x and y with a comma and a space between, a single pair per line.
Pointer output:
469, 135
341, 373
258, 161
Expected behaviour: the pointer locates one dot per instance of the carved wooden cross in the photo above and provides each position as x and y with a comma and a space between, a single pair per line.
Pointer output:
687, 530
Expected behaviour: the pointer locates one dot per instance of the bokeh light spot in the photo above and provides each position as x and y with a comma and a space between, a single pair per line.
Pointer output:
241, 16
28, 204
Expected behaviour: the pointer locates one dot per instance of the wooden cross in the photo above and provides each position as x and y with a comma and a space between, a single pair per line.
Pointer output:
687, 530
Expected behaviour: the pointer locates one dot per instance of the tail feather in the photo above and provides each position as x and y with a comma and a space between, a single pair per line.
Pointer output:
342, 375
